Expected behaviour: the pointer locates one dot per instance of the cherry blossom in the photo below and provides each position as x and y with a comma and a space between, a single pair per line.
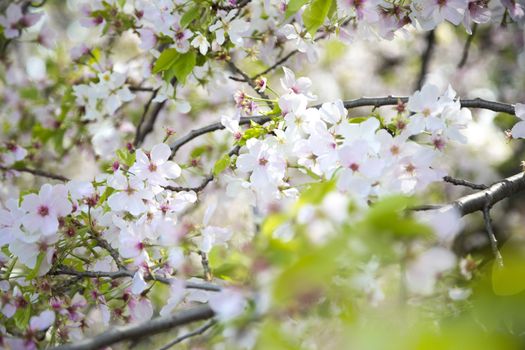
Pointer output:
45, 209
130, 195
155, 168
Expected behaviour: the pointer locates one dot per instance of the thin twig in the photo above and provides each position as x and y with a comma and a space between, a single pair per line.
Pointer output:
36, 172
102, 243
425, 59
276, 64
250, 82
141, 330
138, 133
425, 207
490, 231
460, 182
466, 48
197, 331
209, 178
205, 266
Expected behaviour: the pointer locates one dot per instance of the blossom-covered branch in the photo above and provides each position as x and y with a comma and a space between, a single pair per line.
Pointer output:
141, 330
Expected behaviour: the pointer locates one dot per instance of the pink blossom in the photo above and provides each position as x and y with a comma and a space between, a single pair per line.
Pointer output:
44, 210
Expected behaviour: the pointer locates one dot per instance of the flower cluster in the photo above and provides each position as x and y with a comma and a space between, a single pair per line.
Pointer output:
369, 158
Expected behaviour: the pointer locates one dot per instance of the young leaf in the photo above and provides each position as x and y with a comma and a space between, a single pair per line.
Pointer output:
189, 16
221, 165
165, 60
315, 14
182, 67
294, 6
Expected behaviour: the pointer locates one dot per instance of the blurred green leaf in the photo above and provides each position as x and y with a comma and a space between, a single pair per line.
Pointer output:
294, 6
509, 279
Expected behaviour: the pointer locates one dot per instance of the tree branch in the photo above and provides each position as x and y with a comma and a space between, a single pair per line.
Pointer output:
466, 48
490, 196
123, 273
460, 182
425, 59
490, 231
198, 331
206, 180
138, 134
36, 172
250, 82
141, 330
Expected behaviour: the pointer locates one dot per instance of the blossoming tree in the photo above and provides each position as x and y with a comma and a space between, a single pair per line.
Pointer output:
171, 176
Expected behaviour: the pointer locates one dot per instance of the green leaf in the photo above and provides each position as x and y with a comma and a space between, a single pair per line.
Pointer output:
22, 317
189, 16
106, 194
272, 222
198, 151
316, 192
389, 216
509, 279
294, 6
126, 157
34, 272
309, 275
165, 60
221, 164
315, 14
181, 67
272, 336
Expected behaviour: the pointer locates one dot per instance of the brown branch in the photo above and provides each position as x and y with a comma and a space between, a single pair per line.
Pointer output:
425, 59
206, 180
102, 243
289, 55
466, 48
36, 172
460, 182
139, 134
123, 273
250, 82
141, 88
490, 196
276, 64
198, 331
141, 330
490, 231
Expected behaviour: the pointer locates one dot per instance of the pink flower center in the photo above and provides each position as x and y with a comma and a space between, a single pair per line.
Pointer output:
354, 167
140, 246
130, 190
43, 211
410, 168
263, 161
152, 167
439, 144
